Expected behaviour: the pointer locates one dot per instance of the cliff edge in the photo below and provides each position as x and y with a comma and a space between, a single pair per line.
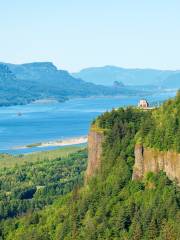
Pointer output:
151, 160
95, 140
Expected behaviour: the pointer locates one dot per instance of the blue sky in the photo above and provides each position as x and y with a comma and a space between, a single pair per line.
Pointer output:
75, 34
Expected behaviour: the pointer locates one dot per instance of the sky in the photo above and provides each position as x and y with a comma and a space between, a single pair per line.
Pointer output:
75, 34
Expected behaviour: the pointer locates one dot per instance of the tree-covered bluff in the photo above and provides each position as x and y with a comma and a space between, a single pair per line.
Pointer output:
158, 128
110, 206
161, 127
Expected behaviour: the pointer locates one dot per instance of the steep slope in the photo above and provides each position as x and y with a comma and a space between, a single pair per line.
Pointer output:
95, 141
158, 141
108, 74
151, 160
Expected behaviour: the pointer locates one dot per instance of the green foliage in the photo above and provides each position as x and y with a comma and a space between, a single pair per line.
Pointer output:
111, 206
8, 161
32, 186
121, 127
116, 208
161, 128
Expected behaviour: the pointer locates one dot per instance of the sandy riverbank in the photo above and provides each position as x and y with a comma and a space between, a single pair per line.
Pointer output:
55, 143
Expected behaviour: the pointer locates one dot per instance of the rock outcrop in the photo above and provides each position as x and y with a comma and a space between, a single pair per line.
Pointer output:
150, 160
95, 140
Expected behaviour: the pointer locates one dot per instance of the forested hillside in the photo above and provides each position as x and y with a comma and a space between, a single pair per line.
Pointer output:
161, 128
110, 205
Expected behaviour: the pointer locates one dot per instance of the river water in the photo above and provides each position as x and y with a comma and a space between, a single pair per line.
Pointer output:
33, 123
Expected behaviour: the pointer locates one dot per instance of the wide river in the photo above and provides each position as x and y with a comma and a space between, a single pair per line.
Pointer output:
33, 123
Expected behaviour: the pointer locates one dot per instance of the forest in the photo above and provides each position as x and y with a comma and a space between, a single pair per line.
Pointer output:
161, 128
31, 186
54, 203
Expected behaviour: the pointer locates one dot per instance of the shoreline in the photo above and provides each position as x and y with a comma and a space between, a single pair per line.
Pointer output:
55, 143
55, 101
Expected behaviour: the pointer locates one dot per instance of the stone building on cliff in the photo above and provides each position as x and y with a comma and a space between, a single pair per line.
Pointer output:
143, 104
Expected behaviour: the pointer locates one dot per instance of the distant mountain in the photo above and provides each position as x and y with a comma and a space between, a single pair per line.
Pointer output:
12, 92
118, 84
173, 81
24, 83
109, 74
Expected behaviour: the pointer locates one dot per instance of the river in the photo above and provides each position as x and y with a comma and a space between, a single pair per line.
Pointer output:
33, 123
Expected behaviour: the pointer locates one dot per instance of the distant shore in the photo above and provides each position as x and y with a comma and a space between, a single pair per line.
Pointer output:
45, 101
55, 143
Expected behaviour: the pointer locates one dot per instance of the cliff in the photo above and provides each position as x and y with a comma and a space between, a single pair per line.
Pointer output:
150, 160
146, 159
95, 140
157, 129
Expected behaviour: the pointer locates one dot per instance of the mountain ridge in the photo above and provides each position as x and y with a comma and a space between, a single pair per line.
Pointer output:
39, 80
128, 76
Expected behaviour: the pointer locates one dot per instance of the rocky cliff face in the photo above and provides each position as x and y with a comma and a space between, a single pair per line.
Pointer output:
95, 140
150, 160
